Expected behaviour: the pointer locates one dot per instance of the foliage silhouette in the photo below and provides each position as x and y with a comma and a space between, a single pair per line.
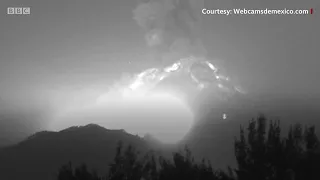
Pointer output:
265, 155
80, 173
260, 152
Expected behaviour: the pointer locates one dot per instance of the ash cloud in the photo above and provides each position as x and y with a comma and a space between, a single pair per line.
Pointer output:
172, 27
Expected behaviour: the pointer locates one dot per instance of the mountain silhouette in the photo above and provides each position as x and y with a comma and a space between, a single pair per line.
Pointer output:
40, 155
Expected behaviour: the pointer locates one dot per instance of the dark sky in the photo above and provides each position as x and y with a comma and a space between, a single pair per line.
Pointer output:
70, 48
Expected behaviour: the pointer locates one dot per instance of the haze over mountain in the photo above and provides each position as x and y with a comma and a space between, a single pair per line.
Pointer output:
40, 155
65, 54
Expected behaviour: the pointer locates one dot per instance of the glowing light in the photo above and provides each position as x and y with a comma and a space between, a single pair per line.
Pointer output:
160, 114
135, 85
224, 116
211, 66
140, 108
174, 67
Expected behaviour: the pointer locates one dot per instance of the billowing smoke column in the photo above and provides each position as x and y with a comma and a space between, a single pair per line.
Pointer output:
173, 32
172, 27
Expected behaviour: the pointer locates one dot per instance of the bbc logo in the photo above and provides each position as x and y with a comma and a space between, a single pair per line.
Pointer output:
18, 10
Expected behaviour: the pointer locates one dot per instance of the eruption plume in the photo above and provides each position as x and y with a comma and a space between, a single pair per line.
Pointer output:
173, 30
184, 78
186, 75
172, 27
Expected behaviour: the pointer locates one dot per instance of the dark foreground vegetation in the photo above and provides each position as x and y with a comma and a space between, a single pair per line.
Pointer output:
260, 151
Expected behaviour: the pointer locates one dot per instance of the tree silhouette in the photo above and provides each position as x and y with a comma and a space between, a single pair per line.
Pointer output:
125, 166
184, 167
265, 155
66, 172
80, 173
128, 166
261, 154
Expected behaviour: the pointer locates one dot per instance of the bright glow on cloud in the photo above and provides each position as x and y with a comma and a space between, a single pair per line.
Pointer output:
137, 104
160, 114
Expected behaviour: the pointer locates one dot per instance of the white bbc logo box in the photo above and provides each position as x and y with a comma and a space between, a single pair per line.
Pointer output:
18, 10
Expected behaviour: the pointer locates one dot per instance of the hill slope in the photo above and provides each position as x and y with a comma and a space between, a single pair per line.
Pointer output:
41, 155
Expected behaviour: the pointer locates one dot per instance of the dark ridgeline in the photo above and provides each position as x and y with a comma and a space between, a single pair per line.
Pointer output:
260, 153
39, 156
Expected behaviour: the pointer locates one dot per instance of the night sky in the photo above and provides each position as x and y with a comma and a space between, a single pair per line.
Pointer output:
66, 52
